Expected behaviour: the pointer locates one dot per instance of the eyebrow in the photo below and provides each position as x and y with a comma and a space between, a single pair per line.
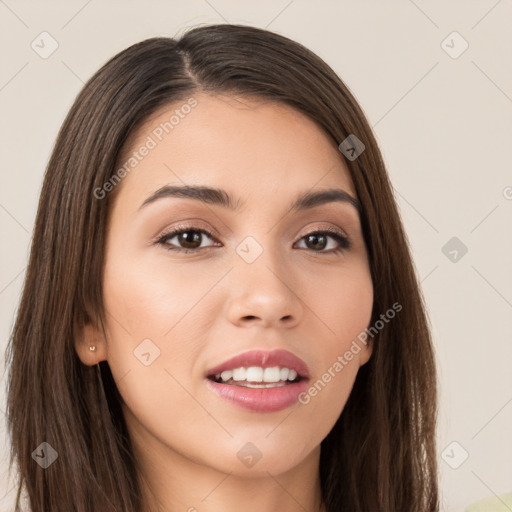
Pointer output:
220, 197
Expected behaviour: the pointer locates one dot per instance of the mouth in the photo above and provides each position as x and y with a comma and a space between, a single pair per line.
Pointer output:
260, 381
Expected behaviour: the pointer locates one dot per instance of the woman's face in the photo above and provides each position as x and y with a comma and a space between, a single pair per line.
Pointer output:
259, 275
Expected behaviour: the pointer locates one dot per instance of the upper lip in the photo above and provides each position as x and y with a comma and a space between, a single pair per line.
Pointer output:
265, 359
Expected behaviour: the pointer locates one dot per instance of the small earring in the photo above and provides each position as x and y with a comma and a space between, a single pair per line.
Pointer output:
92, 348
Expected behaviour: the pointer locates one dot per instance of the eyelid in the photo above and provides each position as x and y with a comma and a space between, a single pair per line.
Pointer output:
330, 229
192, 224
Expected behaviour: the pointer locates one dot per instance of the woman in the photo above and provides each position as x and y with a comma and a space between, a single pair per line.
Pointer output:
220, 308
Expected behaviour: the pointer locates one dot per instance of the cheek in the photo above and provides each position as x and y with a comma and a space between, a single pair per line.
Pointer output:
345, 307
151, 296
151, 339
343, 301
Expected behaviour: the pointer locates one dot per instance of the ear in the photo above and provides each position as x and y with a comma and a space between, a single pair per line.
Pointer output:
365, 354
89, 336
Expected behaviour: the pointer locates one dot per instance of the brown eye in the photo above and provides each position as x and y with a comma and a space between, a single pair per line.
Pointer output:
318, 241
188, 239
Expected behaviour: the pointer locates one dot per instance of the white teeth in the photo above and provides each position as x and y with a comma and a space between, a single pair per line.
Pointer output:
271, 374
226, 375
258, 374
254, 374
239, 374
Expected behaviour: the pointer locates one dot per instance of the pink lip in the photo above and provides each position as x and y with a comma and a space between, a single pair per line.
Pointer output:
261, 399
265, 359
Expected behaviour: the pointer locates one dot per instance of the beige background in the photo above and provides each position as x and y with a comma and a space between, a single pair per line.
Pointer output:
444, 125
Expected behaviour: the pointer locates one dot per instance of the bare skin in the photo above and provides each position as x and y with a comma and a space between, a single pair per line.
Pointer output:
203, 307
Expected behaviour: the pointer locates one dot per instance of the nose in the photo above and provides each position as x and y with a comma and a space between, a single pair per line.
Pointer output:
263, 293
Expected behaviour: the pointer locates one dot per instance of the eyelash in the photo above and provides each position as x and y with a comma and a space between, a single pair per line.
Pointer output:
343, 241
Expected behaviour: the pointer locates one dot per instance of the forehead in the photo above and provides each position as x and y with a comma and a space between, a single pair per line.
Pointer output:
252, 147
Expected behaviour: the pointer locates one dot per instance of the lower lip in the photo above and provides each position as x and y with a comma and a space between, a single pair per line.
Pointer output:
260, 399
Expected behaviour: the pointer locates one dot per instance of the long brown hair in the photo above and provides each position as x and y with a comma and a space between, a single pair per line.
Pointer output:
381, 454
